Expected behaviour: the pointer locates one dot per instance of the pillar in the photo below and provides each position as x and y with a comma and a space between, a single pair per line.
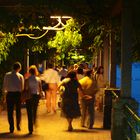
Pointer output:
126, 47
118, 120
106, 59
112, 61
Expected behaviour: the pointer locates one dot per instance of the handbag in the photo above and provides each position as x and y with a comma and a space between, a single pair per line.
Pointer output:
45, 86
26, 94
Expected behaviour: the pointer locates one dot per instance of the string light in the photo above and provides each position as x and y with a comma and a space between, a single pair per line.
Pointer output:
55, 28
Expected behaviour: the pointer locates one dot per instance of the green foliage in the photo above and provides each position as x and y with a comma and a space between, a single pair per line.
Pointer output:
70, 37
5, 43
37, 46
67, 40
94, 33
98, 41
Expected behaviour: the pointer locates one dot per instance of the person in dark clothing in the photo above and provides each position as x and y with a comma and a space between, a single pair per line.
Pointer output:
13, 85
70, 104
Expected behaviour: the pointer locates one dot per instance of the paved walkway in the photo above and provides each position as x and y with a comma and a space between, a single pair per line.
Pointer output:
52, 127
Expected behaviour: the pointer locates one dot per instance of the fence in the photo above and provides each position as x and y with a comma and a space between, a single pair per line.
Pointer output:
132, 120
131, 126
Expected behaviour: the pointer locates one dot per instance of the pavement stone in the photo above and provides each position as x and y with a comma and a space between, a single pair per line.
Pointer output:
53, 127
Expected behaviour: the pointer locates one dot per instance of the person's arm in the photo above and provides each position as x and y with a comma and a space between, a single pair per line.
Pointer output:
60, 84
80, 91
22, 83
40, 86
63, 82
4, 89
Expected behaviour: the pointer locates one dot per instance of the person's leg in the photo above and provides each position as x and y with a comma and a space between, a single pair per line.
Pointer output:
97, 100
90, 114
83, 112
101, 103
10, 109
70, 128
48, 100
29, 115
53, 97
18, 110
35, 106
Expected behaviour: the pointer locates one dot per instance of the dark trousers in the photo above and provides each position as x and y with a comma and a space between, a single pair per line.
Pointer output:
31, 106
87, 111
13, 99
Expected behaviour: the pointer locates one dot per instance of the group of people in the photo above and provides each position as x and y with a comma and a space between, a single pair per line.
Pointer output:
78, 98
82, 91
14, 86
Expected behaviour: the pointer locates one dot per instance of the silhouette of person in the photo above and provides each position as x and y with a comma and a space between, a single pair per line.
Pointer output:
70, 104
13, 85
35, 88
52, 78
88, 99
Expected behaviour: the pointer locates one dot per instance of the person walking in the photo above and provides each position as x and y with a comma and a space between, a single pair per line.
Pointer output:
87, 100
52, 78
80, 73
70, 104
33, 85
101, 85
63, 72
13, 85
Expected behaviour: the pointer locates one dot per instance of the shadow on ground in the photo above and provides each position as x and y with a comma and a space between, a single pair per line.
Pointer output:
8, 135
93, 130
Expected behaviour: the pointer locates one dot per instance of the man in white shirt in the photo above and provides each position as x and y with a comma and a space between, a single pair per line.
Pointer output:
13, 86
52, 78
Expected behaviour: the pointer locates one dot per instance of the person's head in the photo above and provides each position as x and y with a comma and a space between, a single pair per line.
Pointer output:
88, 73
86, 65
70, 68
33, 70
17, 66
80, 71
50, 65
72, 75
63, 67
75, 66
81, 65
100, 70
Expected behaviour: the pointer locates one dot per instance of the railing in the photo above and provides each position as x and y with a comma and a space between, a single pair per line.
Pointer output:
114, 94
109, 96
132, 120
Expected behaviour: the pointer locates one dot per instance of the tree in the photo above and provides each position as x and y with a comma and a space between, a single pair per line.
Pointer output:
6, 41
66, 41
91, 14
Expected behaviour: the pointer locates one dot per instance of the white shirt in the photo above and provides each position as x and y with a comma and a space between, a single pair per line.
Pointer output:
51, 76
13, 82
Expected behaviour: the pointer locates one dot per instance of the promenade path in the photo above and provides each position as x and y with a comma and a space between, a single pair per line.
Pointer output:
52, 127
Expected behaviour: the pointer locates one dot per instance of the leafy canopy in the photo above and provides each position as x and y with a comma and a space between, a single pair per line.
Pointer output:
6, 42
67, 40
